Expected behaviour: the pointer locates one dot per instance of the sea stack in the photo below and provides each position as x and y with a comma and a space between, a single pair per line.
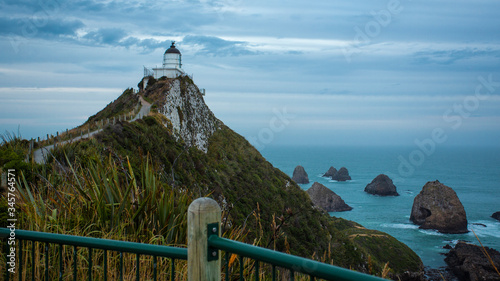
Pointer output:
300, 175
382, 185
496, 215
341, 175
437, 207
326, 199
330, 173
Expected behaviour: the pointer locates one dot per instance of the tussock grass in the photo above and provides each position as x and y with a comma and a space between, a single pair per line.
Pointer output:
101, 199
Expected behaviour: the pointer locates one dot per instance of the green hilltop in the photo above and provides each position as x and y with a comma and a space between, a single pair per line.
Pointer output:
134, 181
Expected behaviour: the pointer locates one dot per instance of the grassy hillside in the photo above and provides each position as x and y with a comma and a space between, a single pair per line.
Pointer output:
277, 212
134, 181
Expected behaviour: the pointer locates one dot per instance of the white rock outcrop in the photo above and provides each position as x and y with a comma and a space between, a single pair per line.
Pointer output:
192, 120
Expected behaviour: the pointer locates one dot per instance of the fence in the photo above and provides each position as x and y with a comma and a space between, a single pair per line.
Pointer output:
202, 254
91, 244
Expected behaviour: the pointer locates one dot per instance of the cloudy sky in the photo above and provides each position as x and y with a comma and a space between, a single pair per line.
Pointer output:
368, 72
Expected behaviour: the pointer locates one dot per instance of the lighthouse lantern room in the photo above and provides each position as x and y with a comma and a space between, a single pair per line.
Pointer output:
172, 64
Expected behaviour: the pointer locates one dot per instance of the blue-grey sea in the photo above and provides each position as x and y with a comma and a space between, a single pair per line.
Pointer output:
473, 172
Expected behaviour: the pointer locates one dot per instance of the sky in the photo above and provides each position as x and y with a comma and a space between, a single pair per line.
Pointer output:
365, 72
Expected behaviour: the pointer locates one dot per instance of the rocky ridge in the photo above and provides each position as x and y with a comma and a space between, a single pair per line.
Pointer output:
191, 119
470, 262
192, 150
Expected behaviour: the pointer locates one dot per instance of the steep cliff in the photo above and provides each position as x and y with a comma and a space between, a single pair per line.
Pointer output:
191, 150
181, 102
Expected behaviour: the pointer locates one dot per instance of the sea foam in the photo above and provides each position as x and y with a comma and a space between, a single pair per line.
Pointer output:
492, 229
400, 225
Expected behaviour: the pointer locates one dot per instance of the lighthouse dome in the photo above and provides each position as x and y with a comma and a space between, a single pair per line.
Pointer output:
172, 49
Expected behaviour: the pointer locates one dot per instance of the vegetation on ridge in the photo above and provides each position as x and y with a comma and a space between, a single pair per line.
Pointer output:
124, 104
134, 182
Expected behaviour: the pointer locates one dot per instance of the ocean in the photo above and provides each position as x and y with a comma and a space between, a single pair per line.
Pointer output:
473, 172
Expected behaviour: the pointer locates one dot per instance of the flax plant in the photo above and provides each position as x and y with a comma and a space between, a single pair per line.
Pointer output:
103, 199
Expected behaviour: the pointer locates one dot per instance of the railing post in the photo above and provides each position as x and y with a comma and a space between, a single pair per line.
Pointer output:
201, 212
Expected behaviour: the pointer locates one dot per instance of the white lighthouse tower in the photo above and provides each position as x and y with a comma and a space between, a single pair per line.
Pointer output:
172, 64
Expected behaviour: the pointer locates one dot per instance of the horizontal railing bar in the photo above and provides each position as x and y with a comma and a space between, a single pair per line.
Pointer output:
294, 263
98, 243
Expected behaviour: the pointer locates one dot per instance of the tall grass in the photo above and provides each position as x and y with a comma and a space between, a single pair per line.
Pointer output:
103, 199
106, 199
87, 194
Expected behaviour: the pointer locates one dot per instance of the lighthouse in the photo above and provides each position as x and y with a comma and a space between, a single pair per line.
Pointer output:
172, 57
172, 64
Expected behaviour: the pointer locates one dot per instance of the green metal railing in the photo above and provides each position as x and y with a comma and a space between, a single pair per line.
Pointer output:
203, 263
204, 259
173, 253
278, 259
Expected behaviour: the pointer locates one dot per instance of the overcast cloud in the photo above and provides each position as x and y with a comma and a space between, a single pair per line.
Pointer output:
349, 72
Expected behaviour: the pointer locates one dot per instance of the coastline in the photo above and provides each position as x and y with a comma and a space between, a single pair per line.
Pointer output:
452, 165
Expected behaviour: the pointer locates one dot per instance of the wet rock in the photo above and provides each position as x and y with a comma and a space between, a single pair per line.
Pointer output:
382, 185
496, 215
330, 173
326, 199
469, 262
342, 175
437, 207
300, 175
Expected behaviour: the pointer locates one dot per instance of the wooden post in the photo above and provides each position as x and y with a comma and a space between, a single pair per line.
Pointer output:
202, 212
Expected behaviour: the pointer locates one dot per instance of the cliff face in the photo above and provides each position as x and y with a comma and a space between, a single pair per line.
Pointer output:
190, 117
